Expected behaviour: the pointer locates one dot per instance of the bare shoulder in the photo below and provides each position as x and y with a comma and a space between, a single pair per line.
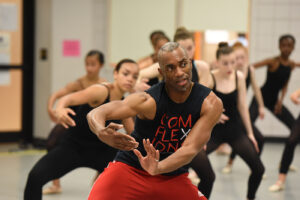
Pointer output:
74, 86
139, 98
202, 65
143, 103
98, 89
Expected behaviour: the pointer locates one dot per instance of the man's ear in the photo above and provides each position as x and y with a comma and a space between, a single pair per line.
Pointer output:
160, 71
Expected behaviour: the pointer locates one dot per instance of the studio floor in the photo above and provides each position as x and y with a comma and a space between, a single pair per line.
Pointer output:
15, 165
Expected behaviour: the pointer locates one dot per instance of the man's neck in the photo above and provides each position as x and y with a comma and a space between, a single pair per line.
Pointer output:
179, 96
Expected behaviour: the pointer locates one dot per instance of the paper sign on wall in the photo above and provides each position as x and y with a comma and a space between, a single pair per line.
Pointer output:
8, 17
71, 48
4, 77
4, 48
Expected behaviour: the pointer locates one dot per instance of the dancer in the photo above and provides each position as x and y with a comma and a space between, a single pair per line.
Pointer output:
80, 147
278, 76
289, 150
243, 66
229, 85
94, 61
175, 119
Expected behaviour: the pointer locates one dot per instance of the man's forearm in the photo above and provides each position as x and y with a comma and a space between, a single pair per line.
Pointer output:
183, 156
96, 121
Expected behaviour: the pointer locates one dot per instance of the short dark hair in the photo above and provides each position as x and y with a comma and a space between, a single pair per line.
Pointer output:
121, 62
182, 34
155, 33
224, 49
169, 47
98, 53
287, 36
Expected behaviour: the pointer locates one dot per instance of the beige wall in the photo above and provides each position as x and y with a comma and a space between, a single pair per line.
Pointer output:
131, 23
229, 15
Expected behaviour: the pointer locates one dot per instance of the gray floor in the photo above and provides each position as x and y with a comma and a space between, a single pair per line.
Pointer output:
76, 185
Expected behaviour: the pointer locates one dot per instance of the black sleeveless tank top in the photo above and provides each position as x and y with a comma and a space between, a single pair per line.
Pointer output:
229, 101
274, 83
195, 77
81, 134
172, 123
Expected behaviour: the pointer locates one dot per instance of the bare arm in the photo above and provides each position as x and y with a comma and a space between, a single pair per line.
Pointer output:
243, 109
71, 87
135, 104
297, 64
149, 72
93, 95
295, 96
257, 93
266, 62
278, 105
195, 141
204, 74
128, 125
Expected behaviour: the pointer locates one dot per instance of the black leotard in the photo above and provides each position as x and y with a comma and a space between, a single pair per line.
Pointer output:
274, 83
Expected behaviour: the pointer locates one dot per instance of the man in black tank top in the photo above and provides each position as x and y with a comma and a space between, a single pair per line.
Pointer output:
174, 122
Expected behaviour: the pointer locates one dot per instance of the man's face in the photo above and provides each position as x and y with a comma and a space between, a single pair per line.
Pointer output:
176, 70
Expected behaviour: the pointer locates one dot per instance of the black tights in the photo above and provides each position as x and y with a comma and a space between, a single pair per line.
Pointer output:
60, 161
202, 167
259, 139
242, 145
285, 116
290, 145
55, 136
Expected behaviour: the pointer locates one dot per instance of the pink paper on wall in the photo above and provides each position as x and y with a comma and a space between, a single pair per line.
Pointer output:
71, 48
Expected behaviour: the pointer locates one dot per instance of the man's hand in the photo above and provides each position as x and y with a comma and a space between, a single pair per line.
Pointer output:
150, 161
278, 107
63, 118
113, 138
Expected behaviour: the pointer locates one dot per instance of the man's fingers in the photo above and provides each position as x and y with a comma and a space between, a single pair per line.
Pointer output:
157, 155
145, 145
138, 154
115, 126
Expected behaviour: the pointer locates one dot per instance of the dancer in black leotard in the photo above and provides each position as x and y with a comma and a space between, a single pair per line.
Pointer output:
230, 87
288, 153
278, 76
80, 147
242, 65
93, 63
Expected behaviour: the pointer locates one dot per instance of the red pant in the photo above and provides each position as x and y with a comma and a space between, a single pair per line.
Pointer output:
123, 182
